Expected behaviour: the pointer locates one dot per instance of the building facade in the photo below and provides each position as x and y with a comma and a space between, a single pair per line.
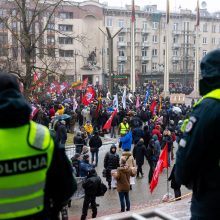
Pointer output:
75, 44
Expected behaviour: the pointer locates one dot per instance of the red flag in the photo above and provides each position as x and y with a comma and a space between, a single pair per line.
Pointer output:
152, 107
109, 122
89, 96
161, 164
34, 112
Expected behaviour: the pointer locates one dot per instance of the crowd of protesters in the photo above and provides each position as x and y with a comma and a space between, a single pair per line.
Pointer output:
142, 130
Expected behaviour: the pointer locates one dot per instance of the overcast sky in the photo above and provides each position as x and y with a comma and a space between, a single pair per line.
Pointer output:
212, 5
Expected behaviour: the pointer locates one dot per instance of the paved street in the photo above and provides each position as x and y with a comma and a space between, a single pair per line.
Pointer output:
140, 196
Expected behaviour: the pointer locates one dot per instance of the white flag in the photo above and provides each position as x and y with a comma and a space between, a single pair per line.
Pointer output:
75, 104
124, 99
115, 102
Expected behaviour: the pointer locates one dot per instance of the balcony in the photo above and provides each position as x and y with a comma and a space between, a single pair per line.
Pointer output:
145, 31
122, 44
145, 58
176, 45
122, 58
176, 32
145, 44
175, 58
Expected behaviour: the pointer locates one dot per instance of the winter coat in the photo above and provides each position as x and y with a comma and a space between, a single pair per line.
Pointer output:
167, 139
136, 122
126, 141
61, 134
158, 133
139, 152
130, 162
76, 166
85, 167
137, 134
78, 142
123, 178
146, 138
111, 162
92, 185
95, 143
88, 128
156, 147
61, 111
115, 121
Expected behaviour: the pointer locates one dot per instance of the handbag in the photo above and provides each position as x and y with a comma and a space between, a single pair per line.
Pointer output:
102, 189
104, 172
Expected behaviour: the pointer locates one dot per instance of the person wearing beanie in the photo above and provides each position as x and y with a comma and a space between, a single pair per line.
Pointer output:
111, 162
197, 159
39, 165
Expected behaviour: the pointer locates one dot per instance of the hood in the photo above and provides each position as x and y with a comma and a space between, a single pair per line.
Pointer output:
155, 138
113, 146
14, 109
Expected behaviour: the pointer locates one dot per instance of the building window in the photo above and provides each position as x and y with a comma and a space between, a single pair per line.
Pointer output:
213, 28
50, 27
155, 25
109, 22
144, 52
65, 40
121, 68
144, 25
66, 53
121, 38
164, 39
144, 38
3, 12
204, 40
14, 26
204, 52
154, 52
65, 27
66, 15
154, 39
174, 67
175, 52
50, 40
121, 53
213, 41
175, 26
163, 25
51, 52
175, 40
205, 27
2, 26
144, 68
3, 39
154, 66
121, 23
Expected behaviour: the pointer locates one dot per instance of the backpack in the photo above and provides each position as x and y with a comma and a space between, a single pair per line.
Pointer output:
101, 190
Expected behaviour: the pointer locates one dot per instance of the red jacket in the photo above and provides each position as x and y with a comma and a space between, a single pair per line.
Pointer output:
158, 133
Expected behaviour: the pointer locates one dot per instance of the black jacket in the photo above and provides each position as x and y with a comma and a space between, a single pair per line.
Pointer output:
78, 142
139, 152
197, 159
111, 160
95, 143
92, 185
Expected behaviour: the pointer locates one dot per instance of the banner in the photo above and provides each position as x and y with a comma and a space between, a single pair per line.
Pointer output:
124, 99
138, 102
109, 122
152, 107
89, 96
115, 102
161, 164
146, 97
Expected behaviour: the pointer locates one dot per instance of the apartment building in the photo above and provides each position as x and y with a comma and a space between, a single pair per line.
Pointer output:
74, 46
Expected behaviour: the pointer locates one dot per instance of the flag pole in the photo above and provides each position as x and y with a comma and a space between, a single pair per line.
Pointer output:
166, 73
133, 83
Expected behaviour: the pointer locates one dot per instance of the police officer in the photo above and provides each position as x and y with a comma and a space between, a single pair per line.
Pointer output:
198, 156
35, 176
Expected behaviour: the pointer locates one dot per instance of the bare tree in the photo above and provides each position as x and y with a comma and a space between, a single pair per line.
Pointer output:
27, 22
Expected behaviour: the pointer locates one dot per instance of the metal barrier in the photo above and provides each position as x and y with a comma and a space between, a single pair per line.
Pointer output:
143, 216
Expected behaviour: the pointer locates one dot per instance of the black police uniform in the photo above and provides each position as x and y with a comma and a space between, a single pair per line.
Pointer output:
198, 156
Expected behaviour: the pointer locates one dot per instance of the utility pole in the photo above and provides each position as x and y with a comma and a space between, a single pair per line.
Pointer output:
110, 57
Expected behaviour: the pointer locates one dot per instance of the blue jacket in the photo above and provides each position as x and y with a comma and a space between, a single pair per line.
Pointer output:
126, 141
85, 167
